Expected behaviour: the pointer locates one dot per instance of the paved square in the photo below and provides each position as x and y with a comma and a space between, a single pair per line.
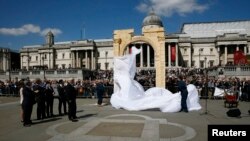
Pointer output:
109, 124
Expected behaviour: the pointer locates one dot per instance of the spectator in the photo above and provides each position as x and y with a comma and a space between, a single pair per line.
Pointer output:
27, 104
184, 94
71, 98
100, 92
61, 98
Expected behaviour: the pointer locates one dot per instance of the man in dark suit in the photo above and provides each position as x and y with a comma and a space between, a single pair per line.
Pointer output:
49, 93
40, 99
27, 104
182, 87
71, 92
61, 98
100, 92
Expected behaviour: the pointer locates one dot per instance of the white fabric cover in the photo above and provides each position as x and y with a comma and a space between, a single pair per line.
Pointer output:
219, 92
130, 95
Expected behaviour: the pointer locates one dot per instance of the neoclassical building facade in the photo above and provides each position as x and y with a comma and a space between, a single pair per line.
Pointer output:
8, 59
198, 45
87, 54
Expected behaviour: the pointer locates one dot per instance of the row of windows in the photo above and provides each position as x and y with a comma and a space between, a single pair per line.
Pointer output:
63, 56
65, 66
200, 51
202, 63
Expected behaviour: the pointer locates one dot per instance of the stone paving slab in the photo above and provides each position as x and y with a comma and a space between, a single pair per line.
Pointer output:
169, 131
117, 129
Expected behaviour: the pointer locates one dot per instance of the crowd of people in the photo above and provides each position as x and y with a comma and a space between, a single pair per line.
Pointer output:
100, 84
42, 94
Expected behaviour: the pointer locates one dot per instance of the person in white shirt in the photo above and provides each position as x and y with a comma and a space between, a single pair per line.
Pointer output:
21, 84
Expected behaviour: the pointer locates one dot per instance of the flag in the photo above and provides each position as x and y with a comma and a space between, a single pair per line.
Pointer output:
239, 58
173, 52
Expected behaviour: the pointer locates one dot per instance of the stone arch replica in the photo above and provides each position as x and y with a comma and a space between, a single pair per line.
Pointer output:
154, 36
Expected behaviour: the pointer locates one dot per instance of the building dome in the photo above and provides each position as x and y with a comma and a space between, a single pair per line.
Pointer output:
152, 19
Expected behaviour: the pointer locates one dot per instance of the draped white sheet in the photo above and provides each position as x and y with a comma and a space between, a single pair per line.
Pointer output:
219, 92
130, 95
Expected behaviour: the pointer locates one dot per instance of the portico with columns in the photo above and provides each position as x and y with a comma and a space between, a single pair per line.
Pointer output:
83, 58
226, 51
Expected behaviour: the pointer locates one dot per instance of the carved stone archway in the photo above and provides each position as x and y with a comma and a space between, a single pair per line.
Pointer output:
153, 36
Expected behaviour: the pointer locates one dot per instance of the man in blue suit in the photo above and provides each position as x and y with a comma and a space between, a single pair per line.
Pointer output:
182, 87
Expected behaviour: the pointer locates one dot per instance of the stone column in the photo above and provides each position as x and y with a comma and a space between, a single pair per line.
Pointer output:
141, 57
72, 62
190, 57
245, 49
73, 59
92, 60
52, 60
4, 62
169, 55
248, 49
148, 56
77, 59
86, 59
21, 62
225, 61
176, 55
8, 61
49, 60
218, 55
28, 61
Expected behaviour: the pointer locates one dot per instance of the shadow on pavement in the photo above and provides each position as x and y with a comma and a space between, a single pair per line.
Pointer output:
79, 111
45, 120
87, 115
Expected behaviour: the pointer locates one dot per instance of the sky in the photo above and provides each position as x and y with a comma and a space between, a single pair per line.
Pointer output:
26, 22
